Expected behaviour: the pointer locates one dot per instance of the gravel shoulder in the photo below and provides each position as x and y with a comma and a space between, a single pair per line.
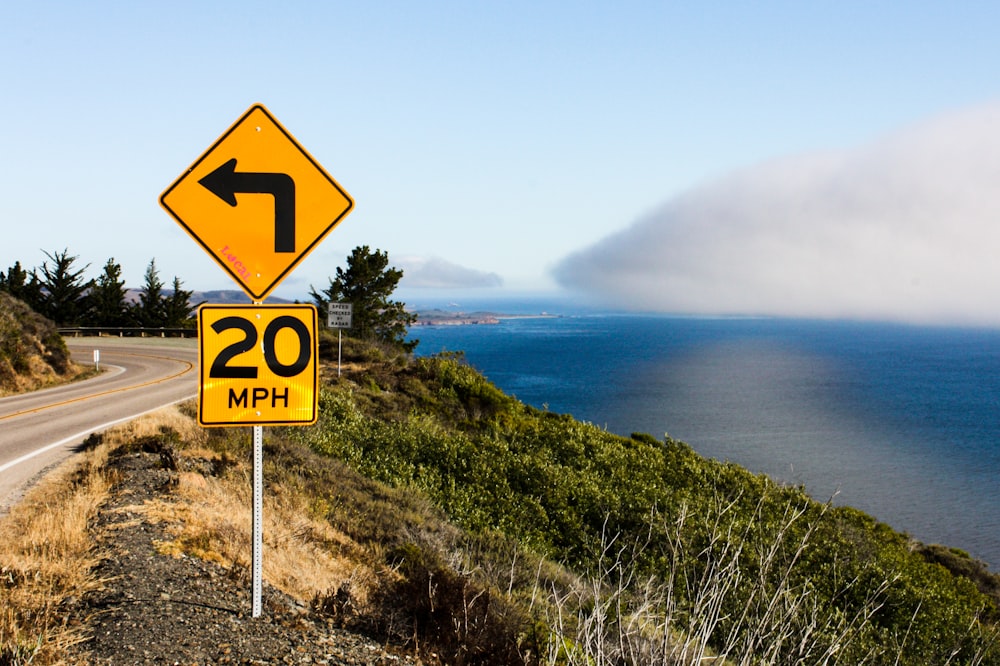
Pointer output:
154, 608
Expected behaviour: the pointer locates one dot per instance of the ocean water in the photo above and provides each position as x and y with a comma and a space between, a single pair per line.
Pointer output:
902, 422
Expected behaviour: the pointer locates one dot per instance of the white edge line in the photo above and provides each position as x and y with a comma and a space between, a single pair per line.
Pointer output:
81, 435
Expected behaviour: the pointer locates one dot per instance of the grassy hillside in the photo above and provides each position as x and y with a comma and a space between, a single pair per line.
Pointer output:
32, 353
728, 559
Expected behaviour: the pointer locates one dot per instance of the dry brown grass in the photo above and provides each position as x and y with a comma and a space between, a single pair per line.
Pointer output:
46, 556
40, 375
47, 553
151, 425
210, 517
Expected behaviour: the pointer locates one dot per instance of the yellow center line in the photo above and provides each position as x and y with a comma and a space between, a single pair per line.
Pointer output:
189, 364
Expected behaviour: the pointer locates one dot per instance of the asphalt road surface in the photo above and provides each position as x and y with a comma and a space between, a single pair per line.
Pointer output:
41, 429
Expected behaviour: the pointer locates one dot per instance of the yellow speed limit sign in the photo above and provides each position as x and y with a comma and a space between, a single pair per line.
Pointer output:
258, 365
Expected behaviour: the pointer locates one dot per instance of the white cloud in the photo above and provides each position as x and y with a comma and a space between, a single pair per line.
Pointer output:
906, 228
436, 273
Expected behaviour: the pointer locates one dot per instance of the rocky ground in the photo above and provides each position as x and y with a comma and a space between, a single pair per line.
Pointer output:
158, 609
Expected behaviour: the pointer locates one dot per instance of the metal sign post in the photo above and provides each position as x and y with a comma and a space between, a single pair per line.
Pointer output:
257, 561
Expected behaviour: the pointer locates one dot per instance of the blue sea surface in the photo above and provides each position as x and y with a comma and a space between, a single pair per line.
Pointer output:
902, 422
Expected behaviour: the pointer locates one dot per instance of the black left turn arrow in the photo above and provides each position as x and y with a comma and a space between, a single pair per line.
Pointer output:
225, 183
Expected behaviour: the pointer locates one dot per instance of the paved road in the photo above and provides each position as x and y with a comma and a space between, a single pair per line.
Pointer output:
40, 429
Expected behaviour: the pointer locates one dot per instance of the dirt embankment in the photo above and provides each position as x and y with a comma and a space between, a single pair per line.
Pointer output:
32, 353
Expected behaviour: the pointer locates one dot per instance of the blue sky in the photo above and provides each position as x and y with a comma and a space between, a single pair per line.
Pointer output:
537, 146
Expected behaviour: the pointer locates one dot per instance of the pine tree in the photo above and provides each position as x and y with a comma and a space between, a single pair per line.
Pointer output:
177, 307
22, 285
149, 312
63, 289
367, 284
106, 301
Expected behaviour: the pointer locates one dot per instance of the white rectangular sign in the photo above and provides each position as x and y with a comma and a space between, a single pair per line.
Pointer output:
339, 315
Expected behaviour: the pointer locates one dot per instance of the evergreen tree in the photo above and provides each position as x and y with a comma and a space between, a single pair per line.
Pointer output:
177, 307
14, 279
150, 311
367, 284
106, 301
22, 285
63, 289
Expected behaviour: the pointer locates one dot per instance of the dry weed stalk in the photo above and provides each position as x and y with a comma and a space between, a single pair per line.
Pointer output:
619, 617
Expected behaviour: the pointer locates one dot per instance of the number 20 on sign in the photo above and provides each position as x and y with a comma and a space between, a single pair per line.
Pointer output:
258, 365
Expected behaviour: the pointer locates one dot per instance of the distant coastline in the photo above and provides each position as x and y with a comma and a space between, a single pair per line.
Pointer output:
450, 318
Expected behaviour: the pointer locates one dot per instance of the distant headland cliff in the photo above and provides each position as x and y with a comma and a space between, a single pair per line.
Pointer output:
438, 317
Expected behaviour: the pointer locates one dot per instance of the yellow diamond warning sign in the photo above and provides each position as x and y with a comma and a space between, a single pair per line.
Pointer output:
257, 202
258, 365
